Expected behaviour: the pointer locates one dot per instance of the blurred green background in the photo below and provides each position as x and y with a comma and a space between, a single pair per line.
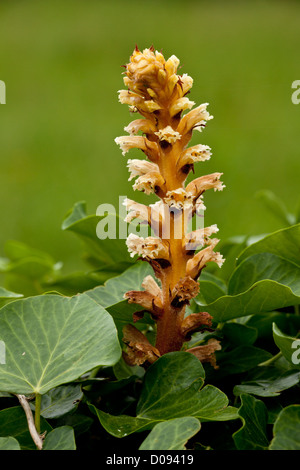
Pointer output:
61, 59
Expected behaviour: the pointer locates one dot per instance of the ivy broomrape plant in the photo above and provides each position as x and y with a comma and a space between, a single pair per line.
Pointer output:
177, 255
61, 366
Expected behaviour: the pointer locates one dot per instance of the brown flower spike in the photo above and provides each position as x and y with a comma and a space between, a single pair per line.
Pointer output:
177, 255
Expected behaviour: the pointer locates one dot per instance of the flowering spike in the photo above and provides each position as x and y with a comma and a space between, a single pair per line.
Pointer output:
177, 255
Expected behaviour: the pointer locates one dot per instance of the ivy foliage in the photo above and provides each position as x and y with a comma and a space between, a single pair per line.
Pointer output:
61, 340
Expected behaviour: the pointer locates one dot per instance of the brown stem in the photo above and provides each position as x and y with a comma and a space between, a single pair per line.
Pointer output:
168, 336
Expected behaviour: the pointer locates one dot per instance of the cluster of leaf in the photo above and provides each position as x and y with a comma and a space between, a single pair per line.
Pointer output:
61, 338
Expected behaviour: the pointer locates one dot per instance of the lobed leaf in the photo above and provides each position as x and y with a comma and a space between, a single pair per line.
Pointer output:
172, 388
254, 415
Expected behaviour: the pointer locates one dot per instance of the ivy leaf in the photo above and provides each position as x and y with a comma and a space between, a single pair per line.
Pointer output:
275, 205
71, 284
51, 340
22, 260
61, 438
265, 266
60, 400
290, 347
9, 443
172, 434
261, 297
263, 323
209, 292
267, 278
111, 295
283, 243
26, 269
230, 249
6, 296
254, 415
240, 359
110, 255
114, 289
261, 283
166, 396
270, 383
13, 423
287, 429
239, 334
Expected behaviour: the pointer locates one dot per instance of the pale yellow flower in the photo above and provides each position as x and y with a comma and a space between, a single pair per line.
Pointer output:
140, 167
168, 134
149, 247
179, 199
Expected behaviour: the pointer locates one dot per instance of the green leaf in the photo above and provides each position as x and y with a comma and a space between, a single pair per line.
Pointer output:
284, 243
122, 425
261, 282
230, 249
9, 443
263, 322
59, 401
265, 266
239, 334
261, 297
32, 266
13, 423
287, 429
123, 371
270, 382
16, 250
275, 205
61, 438
171, 435
209, 292
26, 268
240, 359
79, 422
111, 295
109, 255
72, 284
254, 415
51, 340
171, 389
166, 381
6, 296
290, 347
114, 289
208, 277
